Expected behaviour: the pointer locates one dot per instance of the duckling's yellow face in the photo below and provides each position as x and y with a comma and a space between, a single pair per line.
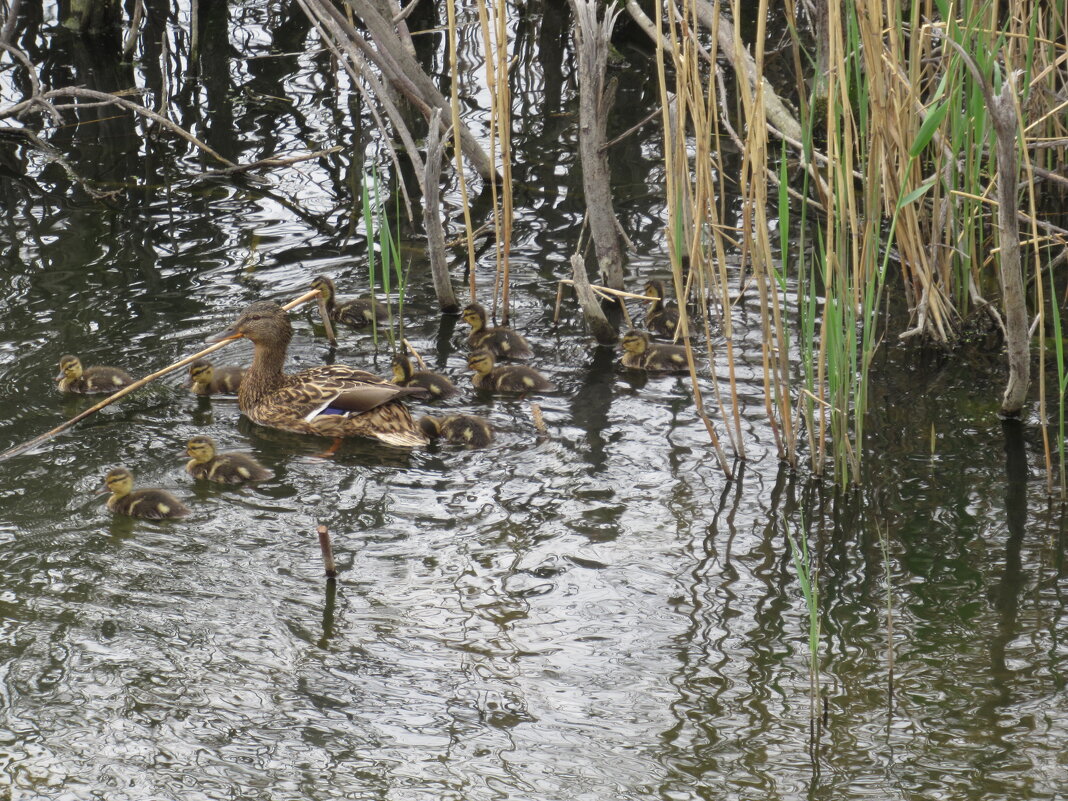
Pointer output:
119, 481
653, 289
635, 342
201, 372
402, 368
70, 368
481, 361
200, 449
325, 287
474, 316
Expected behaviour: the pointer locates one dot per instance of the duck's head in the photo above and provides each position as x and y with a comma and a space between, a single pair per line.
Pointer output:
201, 449
402, 368
654, 289
474, 314
636, 342
431, 426
263, 322
118, 481
70, 368
481, 361
201, 372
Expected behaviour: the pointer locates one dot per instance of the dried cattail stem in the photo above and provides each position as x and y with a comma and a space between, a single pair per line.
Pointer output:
328, 552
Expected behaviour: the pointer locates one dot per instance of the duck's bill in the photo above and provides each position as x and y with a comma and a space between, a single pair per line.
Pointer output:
223, 336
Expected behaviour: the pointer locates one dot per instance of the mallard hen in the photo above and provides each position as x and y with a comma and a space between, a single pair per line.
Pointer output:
329, 401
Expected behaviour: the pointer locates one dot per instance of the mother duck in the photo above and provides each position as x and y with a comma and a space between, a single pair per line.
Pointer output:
329, 401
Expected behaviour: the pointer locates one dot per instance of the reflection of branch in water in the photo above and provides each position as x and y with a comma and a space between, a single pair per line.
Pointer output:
329, 601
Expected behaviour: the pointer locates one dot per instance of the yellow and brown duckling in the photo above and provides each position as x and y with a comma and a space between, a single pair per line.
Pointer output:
507, 377
92, 380
207, 379
151, 504
333, 400
356, 313
500, 340
641, 354
467, 430
661, 318
225, 468
436, 384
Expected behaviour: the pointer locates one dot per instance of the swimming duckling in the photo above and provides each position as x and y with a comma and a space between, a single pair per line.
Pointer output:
500, 340
356, 313
435, 383
94, 380
151, 504
507, 377
208, 379
225, 468
661, 318
640, 354
459, 429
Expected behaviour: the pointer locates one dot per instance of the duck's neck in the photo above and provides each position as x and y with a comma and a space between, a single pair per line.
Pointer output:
264, 376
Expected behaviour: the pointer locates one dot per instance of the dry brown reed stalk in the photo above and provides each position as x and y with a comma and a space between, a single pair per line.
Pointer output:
329, 566
495, 52
454, 107
756, 239
691, 207
136, 385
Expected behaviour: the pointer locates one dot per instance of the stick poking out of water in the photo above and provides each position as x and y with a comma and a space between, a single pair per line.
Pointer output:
328, 551
110, 399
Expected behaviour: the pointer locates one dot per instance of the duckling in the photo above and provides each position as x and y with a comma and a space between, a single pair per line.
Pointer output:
92, 381
661, 318
459, 429
357, 313
225, 468
500, 340
151, 504
435, 383
210, 380
506, 378
640, 354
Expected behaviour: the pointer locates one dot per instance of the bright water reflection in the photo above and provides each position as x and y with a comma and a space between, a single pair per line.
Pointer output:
596, 615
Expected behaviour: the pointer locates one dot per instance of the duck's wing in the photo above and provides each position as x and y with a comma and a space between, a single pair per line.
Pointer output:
337, 389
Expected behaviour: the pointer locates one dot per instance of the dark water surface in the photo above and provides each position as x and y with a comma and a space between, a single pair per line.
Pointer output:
596, 615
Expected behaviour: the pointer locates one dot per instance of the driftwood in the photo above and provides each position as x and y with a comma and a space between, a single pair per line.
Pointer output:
435, 233
400, 68
603, 331
1005, 121
591, 43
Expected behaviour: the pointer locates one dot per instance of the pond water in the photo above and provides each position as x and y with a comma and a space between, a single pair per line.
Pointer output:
595, 614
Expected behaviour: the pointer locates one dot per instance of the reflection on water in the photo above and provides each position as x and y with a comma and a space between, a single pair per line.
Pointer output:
596, 615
